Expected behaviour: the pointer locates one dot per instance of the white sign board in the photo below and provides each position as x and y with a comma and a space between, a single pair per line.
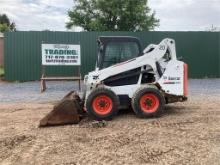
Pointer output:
60, 54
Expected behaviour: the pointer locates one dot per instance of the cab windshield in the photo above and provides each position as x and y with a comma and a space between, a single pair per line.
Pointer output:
116, 52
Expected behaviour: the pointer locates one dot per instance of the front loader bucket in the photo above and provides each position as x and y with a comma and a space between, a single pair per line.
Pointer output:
68, 111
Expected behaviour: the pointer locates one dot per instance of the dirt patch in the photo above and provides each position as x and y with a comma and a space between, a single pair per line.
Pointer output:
2, 81
187, 133
9, 144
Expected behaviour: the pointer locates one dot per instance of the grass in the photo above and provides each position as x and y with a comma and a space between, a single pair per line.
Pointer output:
2, 72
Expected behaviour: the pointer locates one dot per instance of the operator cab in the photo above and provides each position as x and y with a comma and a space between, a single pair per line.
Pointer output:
114, 50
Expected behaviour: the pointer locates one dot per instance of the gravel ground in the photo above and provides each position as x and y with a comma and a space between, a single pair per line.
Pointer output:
187, 133
30, 91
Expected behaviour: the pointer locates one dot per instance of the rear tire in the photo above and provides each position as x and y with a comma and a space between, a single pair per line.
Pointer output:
102, 104
148, 102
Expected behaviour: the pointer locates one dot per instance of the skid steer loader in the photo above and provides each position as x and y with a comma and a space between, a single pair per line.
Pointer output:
127, 76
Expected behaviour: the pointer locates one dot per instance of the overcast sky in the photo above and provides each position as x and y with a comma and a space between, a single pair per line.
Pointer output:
174, 15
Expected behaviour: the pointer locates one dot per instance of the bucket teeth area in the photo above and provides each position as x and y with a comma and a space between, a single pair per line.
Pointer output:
68, 111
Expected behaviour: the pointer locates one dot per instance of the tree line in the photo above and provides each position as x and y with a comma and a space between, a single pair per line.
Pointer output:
103, 15
112, 15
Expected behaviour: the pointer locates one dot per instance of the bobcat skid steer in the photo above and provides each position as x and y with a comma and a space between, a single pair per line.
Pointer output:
124, 77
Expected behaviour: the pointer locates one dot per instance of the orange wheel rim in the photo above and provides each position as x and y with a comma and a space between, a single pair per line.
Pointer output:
102, 104
149, 103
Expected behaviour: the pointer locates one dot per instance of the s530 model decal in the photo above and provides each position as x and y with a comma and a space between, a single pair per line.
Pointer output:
171, 78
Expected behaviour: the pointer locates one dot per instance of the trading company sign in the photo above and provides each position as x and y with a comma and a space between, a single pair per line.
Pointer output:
60, 54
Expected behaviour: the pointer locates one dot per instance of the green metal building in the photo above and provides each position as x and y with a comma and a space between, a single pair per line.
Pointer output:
201, 50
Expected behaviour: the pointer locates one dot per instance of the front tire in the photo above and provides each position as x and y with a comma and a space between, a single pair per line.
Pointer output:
102, 104
148, 102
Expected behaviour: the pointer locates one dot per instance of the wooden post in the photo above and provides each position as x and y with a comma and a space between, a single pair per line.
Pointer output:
79, 74
43, 75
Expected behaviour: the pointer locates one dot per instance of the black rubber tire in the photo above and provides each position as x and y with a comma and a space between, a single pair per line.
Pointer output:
135, 102
102, 91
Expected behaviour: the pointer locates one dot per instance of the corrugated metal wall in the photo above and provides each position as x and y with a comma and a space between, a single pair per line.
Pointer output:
201, 50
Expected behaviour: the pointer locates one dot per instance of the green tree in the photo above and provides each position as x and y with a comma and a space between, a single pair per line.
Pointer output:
112, 15
3, 28
5, 24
